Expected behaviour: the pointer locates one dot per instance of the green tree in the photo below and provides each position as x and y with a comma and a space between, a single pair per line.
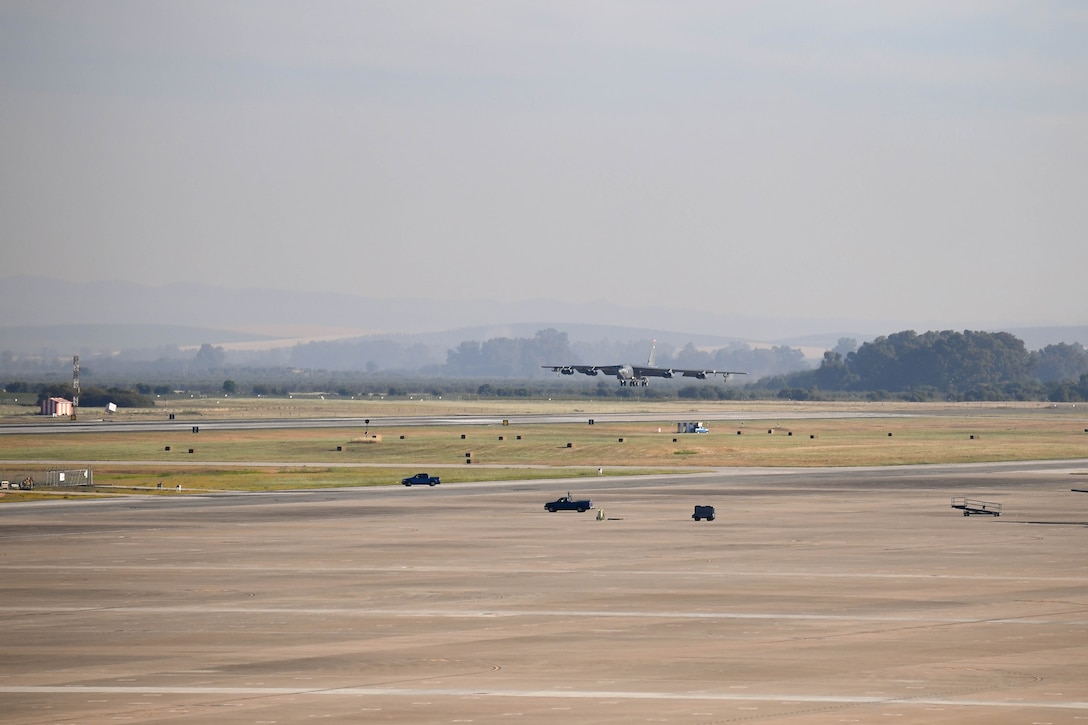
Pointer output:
833, 373
1060, 363
209, 357
845, 346
950, 361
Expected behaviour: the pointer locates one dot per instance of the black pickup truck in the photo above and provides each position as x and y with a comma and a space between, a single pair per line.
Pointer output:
566, 503
703, 512
421, 479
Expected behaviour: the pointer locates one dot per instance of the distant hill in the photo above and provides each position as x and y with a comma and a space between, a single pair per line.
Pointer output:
116, 337
44, 313
97, 313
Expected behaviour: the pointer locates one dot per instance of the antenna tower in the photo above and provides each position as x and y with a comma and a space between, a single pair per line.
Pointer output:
75, 385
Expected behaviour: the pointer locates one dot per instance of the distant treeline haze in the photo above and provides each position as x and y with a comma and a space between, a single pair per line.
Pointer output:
945, 365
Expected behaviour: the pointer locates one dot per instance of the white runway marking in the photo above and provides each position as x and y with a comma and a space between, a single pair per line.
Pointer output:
466, 614
506, 570
563, 694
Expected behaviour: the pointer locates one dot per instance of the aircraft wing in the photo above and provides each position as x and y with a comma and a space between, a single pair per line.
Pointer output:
584, 369
702, 374
656, 372
645, 371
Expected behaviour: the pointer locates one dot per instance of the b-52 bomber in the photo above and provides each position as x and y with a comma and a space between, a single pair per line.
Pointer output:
629, 374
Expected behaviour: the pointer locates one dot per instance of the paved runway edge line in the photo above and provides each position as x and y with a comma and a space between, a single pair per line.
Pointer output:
560, 694
564, 614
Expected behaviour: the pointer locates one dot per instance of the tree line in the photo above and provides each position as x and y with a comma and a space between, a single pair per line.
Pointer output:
947, 365
935, 365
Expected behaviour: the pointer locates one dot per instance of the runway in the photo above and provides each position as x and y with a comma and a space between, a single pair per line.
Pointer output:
817, 596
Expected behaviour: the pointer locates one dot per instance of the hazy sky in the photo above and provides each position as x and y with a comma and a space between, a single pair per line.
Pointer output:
919, 161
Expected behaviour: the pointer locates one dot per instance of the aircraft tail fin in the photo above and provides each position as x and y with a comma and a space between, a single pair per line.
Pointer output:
651, 361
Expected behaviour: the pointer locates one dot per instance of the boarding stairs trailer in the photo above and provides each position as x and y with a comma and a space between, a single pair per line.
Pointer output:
971, 506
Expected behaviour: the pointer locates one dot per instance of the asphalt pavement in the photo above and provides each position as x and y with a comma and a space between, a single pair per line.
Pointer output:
824, 596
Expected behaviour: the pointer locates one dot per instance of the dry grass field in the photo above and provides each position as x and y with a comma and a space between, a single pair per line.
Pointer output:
772, 434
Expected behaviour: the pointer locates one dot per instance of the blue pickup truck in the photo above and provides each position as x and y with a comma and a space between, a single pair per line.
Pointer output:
566, 503
421, 479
